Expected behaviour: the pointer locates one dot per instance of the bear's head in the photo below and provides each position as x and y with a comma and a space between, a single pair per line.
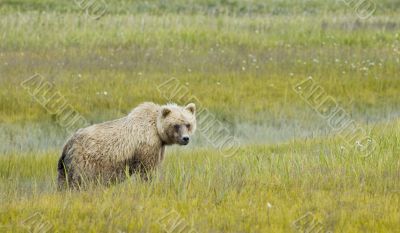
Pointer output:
175, 124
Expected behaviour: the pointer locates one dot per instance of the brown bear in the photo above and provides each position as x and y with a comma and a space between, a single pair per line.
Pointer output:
111, 151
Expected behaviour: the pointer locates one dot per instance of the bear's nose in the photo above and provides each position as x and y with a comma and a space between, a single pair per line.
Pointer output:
185, 139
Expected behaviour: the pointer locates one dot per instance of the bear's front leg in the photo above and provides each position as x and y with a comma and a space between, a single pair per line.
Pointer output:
147, 163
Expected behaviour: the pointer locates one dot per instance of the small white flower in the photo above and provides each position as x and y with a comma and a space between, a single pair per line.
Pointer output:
105, 93
269, 205
79, 75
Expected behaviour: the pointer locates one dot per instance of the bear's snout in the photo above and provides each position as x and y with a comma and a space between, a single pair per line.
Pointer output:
184, 140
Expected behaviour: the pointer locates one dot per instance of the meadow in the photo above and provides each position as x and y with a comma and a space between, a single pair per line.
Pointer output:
241, 60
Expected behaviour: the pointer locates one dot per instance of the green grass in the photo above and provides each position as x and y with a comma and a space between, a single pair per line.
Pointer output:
128, 55
218, 7
241, 60
348, 193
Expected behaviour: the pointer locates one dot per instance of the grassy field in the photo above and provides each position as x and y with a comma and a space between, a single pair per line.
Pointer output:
241, 60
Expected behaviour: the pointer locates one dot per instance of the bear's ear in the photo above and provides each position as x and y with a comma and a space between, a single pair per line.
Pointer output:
165, 111
191, 107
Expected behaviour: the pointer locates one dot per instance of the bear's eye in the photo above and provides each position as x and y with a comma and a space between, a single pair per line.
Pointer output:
176, 127
188, 126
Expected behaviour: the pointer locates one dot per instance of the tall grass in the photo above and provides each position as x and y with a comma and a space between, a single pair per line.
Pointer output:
346, 191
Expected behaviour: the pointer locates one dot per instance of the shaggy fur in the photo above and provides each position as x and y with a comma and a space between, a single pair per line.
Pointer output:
113, 150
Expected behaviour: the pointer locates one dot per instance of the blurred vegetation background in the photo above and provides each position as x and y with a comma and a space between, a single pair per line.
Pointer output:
239, 58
